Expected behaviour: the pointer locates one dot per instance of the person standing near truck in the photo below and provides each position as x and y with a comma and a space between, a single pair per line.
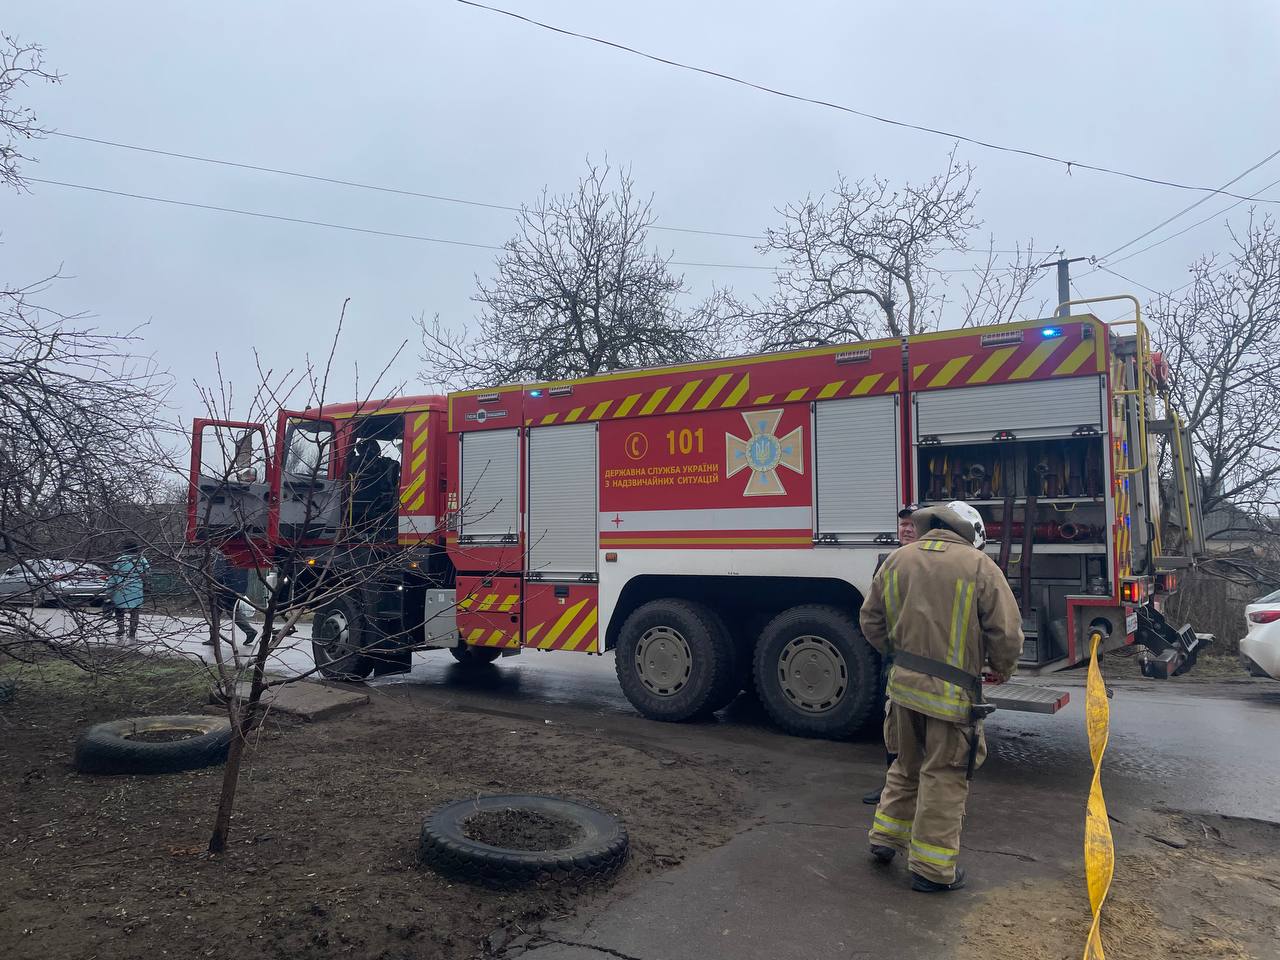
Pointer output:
941, 608
126, 587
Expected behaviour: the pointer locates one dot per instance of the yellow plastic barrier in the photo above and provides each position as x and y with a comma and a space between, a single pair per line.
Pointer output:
1099, 852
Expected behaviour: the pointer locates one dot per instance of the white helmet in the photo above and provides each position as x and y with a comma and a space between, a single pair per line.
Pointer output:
969, 515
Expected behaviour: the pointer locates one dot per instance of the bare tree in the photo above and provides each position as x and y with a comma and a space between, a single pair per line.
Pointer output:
78, 438
1220, 338
20, 63
577, 292
859, 263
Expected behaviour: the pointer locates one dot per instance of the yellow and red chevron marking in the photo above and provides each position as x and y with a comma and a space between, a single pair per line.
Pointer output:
573, 629
485, 637
818, 373
959, 358
413, 470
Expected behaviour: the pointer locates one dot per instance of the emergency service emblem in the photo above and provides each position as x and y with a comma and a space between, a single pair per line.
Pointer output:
763, 452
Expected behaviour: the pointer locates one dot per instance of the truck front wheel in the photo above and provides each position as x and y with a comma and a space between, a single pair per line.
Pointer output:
816, 674
337, 637
674, 660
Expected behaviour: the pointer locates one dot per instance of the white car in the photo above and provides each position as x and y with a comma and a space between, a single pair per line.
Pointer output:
1260, 649
53, 581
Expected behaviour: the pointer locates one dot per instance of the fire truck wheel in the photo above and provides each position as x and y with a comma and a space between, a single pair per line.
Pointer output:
738, 671
674, 657
473, 656
816, 674
337, 636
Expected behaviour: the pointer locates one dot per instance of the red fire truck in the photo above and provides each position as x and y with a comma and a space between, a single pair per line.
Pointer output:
717, 525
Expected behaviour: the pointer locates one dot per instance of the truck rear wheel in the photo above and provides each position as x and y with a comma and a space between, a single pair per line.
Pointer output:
337, 637
674, 659
816, 674
475, 656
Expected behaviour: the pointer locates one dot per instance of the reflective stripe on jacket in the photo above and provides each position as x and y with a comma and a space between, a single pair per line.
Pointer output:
940, 598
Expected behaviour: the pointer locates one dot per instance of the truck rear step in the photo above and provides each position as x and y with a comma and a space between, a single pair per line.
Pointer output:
1026, 697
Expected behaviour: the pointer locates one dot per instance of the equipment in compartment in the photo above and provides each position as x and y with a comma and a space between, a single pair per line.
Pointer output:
1049, 469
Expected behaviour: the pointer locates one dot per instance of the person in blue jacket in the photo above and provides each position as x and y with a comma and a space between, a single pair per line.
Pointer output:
126, 586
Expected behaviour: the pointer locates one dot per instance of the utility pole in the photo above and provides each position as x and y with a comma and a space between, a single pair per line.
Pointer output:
1064, 280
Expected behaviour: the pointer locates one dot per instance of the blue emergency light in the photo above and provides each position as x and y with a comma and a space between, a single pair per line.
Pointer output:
535, 394
1050, 332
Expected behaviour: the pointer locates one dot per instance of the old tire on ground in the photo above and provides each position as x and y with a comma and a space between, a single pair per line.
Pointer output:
475, 656
337, 637
672, 659
110, 747
816, 674
599, 850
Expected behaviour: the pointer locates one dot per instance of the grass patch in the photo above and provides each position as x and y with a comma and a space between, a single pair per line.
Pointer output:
140, 681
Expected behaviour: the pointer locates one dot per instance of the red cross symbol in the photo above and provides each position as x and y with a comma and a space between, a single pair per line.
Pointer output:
617, 520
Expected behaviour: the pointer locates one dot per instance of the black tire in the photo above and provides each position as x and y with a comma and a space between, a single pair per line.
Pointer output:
597, 853
695, 655
737, 669
816, 674
338, 634
107, 747
475, 656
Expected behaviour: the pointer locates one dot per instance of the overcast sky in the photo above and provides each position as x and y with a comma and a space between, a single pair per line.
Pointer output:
433, 96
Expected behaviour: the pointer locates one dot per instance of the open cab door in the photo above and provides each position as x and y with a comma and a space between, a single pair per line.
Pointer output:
309, 505
229, 497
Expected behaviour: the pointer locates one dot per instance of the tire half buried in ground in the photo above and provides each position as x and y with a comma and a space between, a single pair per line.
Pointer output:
153, 745
585, 844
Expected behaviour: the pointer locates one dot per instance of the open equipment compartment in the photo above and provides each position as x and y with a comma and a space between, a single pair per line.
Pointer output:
1032, 457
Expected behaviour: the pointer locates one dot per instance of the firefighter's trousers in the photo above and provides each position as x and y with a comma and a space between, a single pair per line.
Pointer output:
921, 809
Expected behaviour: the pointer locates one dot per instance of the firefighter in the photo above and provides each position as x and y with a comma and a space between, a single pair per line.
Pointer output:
940, 608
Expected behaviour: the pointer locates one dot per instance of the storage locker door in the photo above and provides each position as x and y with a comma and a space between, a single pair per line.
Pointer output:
562, 500
490, 484
857, 466
1046, 408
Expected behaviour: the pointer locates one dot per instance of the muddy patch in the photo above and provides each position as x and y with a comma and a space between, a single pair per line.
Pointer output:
521, 830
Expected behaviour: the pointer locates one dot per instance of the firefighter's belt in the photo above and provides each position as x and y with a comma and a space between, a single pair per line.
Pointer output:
945, 671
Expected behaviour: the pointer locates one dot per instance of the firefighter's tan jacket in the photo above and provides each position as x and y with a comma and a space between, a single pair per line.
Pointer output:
940, 598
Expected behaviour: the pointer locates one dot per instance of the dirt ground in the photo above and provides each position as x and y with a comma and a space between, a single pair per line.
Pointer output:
322, 859
1225, 871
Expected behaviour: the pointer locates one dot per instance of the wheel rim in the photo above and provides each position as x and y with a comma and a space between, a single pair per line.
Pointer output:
663, 661
335, 637
813, 674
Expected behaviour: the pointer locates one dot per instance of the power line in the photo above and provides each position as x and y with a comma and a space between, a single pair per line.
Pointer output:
336, 226
1069, 164
1187, 209
388, 233
241, 165
1212, 216
381, 188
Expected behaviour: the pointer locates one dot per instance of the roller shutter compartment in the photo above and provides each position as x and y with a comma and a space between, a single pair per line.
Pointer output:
1029, 411
856, 457
562, 500
490, 484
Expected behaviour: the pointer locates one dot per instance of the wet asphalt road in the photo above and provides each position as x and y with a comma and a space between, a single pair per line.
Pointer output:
1191, 745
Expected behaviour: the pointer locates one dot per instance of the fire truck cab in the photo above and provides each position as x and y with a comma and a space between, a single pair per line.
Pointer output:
346, 509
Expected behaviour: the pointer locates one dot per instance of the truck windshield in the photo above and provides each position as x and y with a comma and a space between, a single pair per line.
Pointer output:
308, 449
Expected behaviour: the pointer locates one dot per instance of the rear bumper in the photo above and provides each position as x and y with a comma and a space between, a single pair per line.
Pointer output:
1262, 653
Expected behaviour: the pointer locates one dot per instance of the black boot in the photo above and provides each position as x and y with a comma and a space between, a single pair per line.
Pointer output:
925, 885
882, 853
872, 798
250, 637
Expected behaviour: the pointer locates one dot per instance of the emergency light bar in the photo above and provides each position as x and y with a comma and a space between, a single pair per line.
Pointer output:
1050, 332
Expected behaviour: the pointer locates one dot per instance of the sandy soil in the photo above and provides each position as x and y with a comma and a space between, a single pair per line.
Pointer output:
323, 850
1214, 894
